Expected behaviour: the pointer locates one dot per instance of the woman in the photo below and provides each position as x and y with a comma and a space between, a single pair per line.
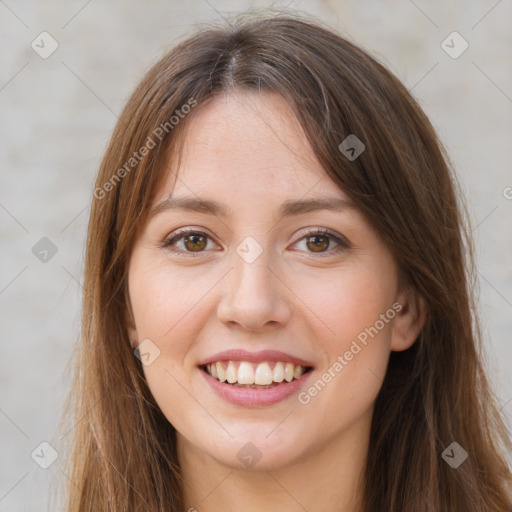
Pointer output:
277, 311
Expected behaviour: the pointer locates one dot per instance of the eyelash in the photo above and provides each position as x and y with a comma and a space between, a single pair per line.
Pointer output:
342, 243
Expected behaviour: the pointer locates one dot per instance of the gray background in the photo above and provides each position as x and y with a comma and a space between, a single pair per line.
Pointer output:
57, 116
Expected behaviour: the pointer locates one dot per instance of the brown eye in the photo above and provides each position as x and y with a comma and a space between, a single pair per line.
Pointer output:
323, 242
195, 243
188, 242
318, 243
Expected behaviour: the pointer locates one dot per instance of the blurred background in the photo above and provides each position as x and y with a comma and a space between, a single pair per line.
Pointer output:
67, 69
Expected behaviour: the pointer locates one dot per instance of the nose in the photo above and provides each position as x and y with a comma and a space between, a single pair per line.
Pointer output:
254, 295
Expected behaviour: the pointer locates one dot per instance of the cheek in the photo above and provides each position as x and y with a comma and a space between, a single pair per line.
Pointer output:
347, 302
165, 300
357, 342
169, 308
165, 305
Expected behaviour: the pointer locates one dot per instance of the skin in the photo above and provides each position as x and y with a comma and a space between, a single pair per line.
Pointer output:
249, 152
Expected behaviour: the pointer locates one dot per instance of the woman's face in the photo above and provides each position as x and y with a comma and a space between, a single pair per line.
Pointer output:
257, 285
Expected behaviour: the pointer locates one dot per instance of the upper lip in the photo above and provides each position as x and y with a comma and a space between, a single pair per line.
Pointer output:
254, 357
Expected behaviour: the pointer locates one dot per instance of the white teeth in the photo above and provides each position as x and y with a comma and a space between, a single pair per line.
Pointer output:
231, 373
288, 372
278, 372
221, 373
245, 373
263, 375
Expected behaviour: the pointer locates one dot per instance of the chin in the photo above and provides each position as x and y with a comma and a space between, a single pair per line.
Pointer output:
255, 450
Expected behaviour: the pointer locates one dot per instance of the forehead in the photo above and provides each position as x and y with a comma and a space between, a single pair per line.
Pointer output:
250, 144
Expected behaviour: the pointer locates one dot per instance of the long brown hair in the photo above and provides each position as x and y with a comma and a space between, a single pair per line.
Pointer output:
436, 393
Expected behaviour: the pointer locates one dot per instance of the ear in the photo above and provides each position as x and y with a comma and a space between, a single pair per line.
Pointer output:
132, 334
130, 326
409, 320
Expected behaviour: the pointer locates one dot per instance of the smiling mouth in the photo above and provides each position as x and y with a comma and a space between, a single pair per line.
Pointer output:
264, 375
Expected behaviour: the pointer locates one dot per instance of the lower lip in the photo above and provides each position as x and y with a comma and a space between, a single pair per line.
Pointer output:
252, 397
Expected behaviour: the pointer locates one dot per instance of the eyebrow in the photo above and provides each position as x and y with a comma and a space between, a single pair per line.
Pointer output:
288, 208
